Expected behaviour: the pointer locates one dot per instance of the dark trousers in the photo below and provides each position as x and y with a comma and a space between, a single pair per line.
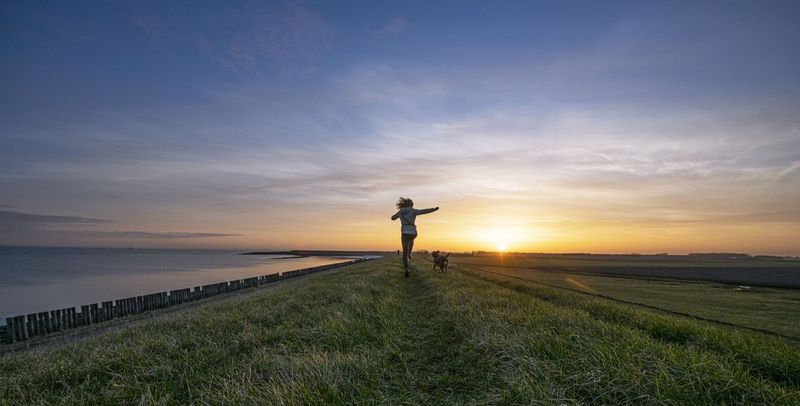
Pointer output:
408, 245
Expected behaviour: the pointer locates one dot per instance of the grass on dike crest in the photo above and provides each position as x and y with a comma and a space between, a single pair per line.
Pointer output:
365, 334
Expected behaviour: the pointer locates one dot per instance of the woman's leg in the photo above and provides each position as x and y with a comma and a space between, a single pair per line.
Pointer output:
405, 242
408, 245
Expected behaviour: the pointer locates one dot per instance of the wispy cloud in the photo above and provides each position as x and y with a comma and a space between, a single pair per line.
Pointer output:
293, 38
154, 235
20, 227
395, 26
30, 228
254, 41
152, 26
15, 217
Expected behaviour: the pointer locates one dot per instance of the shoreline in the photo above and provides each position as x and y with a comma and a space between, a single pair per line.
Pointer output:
321, 253
23, 327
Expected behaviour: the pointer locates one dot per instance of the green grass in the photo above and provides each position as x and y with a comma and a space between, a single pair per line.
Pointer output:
364, 334
771, 309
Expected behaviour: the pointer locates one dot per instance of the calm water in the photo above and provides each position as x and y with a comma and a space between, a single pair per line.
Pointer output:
34, 279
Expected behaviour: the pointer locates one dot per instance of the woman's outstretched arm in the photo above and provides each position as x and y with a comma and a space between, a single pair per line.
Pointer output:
426, 211
396, 216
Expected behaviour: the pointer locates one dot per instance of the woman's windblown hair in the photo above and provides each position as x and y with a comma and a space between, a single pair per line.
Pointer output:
404, 202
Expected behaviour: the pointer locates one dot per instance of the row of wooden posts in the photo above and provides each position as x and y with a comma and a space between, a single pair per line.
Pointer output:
21, 328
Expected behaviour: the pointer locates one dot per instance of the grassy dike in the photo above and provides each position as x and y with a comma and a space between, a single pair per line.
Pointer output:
364, 334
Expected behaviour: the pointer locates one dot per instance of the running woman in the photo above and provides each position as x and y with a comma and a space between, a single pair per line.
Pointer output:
408, 231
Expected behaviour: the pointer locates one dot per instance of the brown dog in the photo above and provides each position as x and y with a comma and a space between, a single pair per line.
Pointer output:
440, 261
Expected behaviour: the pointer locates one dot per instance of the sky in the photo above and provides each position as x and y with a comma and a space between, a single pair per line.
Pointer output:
553, 126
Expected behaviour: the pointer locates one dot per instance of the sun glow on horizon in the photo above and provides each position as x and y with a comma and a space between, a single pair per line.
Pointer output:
506, 235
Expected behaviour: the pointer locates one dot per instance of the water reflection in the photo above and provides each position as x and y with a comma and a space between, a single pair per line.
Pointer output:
83, 277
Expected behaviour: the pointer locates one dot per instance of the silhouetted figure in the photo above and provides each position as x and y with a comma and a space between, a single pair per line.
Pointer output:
408, 231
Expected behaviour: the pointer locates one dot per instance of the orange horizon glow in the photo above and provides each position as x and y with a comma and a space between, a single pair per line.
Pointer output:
471, 227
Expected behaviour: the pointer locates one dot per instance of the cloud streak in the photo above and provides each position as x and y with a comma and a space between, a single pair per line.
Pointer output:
15, 217
20, 227
154, 235
395, 26
253, 41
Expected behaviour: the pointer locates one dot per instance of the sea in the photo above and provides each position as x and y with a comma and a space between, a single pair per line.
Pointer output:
36, 279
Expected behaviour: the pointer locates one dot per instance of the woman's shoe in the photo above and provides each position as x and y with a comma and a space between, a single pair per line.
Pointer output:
407, 273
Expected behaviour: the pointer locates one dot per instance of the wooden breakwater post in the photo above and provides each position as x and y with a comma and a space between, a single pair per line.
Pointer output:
5, 332
25, 327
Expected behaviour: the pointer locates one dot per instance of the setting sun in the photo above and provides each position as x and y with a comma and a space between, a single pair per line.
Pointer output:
501, 234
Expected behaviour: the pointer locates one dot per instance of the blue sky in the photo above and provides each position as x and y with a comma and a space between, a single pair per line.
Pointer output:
548, 125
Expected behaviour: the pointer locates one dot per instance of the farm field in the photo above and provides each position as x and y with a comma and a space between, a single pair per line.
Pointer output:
365, 334
775, 310
638, 261
760, 272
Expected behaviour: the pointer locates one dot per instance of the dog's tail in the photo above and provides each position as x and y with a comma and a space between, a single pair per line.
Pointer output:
448, 254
